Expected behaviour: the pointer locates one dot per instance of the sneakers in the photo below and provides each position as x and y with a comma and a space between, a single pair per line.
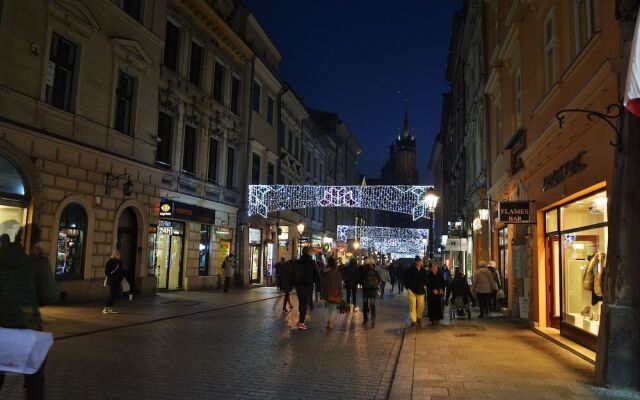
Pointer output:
108, 310
130, 297
302, 326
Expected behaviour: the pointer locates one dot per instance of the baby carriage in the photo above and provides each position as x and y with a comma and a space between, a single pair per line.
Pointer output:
458, 308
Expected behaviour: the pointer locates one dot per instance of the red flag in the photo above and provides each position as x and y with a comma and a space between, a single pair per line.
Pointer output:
632, 87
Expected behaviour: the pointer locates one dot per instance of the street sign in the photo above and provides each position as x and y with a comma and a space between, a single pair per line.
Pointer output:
515, 212
456, 244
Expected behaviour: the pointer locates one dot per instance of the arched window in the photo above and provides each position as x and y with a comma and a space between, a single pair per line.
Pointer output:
72, 233
12, 199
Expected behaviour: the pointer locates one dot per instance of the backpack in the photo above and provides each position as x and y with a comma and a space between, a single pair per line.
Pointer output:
371, 280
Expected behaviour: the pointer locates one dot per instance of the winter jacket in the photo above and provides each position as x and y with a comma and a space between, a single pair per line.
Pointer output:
351, 274
305, 271
114, 271
285, 276
26, 282
415, 280
458, 287
495, 275
331, 283
384, 273
365, 270
483, 281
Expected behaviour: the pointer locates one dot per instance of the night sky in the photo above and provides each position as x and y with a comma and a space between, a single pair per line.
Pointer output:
352, 57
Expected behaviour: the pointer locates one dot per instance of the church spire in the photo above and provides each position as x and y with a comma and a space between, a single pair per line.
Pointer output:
405, 129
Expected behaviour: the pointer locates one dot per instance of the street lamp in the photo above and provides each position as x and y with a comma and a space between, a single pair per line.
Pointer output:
430, 202
300, 231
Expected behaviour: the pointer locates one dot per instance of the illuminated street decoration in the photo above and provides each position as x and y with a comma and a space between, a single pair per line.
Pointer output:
264, 199
386, 239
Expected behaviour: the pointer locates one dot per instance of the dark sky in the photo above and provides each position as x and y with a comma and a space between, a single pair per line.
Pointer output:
352, 57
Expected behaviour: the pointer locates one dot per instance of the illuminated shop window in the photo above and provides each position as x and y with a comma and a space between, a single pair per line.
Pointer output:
72, 233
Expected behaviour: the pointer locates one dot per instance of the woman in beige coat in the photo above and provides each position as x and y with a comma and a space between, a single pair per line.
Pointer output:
483, 287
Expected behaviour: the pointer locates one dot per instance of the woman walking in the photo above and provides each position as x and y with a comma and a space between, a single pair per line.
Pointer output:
435, 292
384, 277
114, 271
331, 290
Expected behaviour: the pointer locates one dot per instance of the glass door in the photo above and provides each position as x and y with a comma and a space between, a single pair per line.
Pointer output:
169, 249
553, 279
175, 263
255, 263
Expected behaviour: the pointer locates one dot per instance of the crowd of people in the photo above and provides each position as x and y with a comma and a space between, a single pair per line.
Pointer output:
431, 287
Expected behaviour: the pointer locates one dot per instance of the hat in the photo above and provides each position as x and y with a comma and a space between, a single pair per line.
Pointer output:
491, 264
417, 258
482, 263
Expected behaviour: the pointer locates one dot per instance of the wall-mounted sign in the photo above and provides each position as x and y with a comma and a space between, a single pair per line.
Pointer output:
283, 233
515, 212
255, 236
283, 243
566, 170
187, 212
457, 244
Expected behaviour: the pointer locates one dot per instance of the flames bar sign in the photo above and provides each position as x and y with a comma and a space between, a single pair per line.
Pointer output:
515, 212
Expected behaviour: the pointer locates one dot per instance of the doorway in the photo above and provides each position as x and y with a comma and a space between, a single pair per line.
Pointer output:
170, 246
127, 243
553, 279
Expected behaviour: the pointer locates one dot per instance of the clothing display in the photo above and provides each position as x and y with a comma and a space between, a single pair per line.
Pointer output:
592, 279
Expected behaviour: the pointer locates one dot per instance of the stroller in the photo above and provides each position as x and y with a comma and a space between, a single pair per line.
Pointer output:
458, 308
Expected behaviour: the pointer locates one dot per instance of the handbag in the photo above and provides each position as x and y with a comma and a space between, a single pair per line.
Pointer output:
500, 294
334, 297
125, 285
23, 350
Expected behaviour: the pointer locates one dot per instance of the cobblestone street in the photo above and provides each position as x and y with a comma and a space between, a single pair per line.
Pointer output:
239, 346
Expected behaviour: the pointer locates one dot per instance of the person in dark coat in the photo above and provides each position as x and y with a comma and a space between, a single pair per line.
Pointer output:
400, 272
392, 276
351, 281
285, 282
114, 272
305, 274
415, 280
458, 287
370, 281
435, 293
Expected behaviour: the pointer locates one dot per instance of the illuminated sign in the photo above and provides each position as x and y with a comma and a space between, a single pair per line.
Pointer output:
514, 212
187, 212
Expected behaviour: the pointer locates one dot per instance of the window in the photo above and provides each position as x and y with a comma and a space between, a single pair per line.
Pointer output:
256, 97
165, 127
297, 147
213, 160
196, 64
281, 131
270, 173
203, 248
235, 95
270, 110
585, 22
230, 163
189, 151
60, 72
218, 83
549, 52
290, 146
133, 8
124, 103
171, 39
255, 169
72, 232
518, 98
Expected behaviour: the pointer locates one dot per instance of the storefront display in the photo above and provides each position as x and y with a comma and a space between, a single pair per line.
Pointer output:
72, 231
255, 239
576, 245
203, 250
11, 219
169, 251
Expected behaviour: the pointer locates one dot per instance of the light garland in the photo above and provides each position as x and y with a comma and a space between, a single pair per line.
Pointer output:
264, 199
385, 239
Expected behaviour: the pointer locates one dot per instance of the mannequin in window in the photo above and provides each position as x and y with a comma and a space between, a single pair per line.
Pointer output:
592, 281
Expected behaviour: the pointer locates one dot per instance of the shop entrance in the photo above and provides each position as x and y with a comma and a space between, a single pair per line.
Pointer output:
170, 247
127, 243
254, 258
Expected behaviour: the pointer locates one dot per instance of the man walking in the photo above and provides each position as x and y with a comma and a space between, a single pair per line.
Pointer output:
370, 281
415, 280
305, 274
351, 281
229, 269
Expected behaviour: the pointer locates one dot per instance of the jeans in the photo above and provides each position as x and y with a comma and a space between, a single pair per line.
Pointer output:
494, 301
227, 281
368, 304
304, 292
34, 383
485, 300
114, 289
351, 293
416, 305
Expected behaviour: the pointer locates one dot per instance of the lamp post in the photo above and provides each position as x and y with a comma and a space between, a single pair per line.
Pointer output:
424, 247
300, 231
430, 202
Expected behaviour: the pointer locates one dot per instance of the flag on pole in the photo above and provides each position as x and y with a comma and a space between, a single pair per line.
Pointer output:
632, 87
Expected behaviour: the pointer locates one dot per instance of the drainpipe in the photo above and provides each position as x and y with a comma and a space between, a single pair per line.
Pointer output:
285, 89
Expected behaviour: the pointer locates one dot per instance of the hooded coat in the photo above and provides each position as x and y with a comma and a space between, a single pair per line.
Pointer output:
26, 283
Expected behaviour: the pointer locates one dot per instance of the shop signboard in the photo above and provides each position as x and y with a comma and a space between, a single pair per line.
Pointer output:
283, 233
255, 236
283, 243
303, 239
515, 212
186, 212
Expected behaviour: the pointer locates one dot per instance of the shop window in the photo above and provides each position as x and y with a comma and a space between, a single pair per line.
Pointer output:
72, 232
270, 110
551, 221
189, 152
60, 73
203, 258
124, 103
230, 164
171, 46
591, 210
152, 239
213, 160
195, 65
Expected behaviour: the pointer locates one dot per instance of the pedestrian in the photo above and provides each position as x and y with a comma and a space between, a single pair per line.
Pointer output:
331, 290
483, 287
114, 274
446, 274
351, 281
400, 272
370, 281
435, 293
384, 277
305, 274
228, 267
278, 270
286, 284
491, 266
318, 285
392, 276
458, 287
27, 284
415, 280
